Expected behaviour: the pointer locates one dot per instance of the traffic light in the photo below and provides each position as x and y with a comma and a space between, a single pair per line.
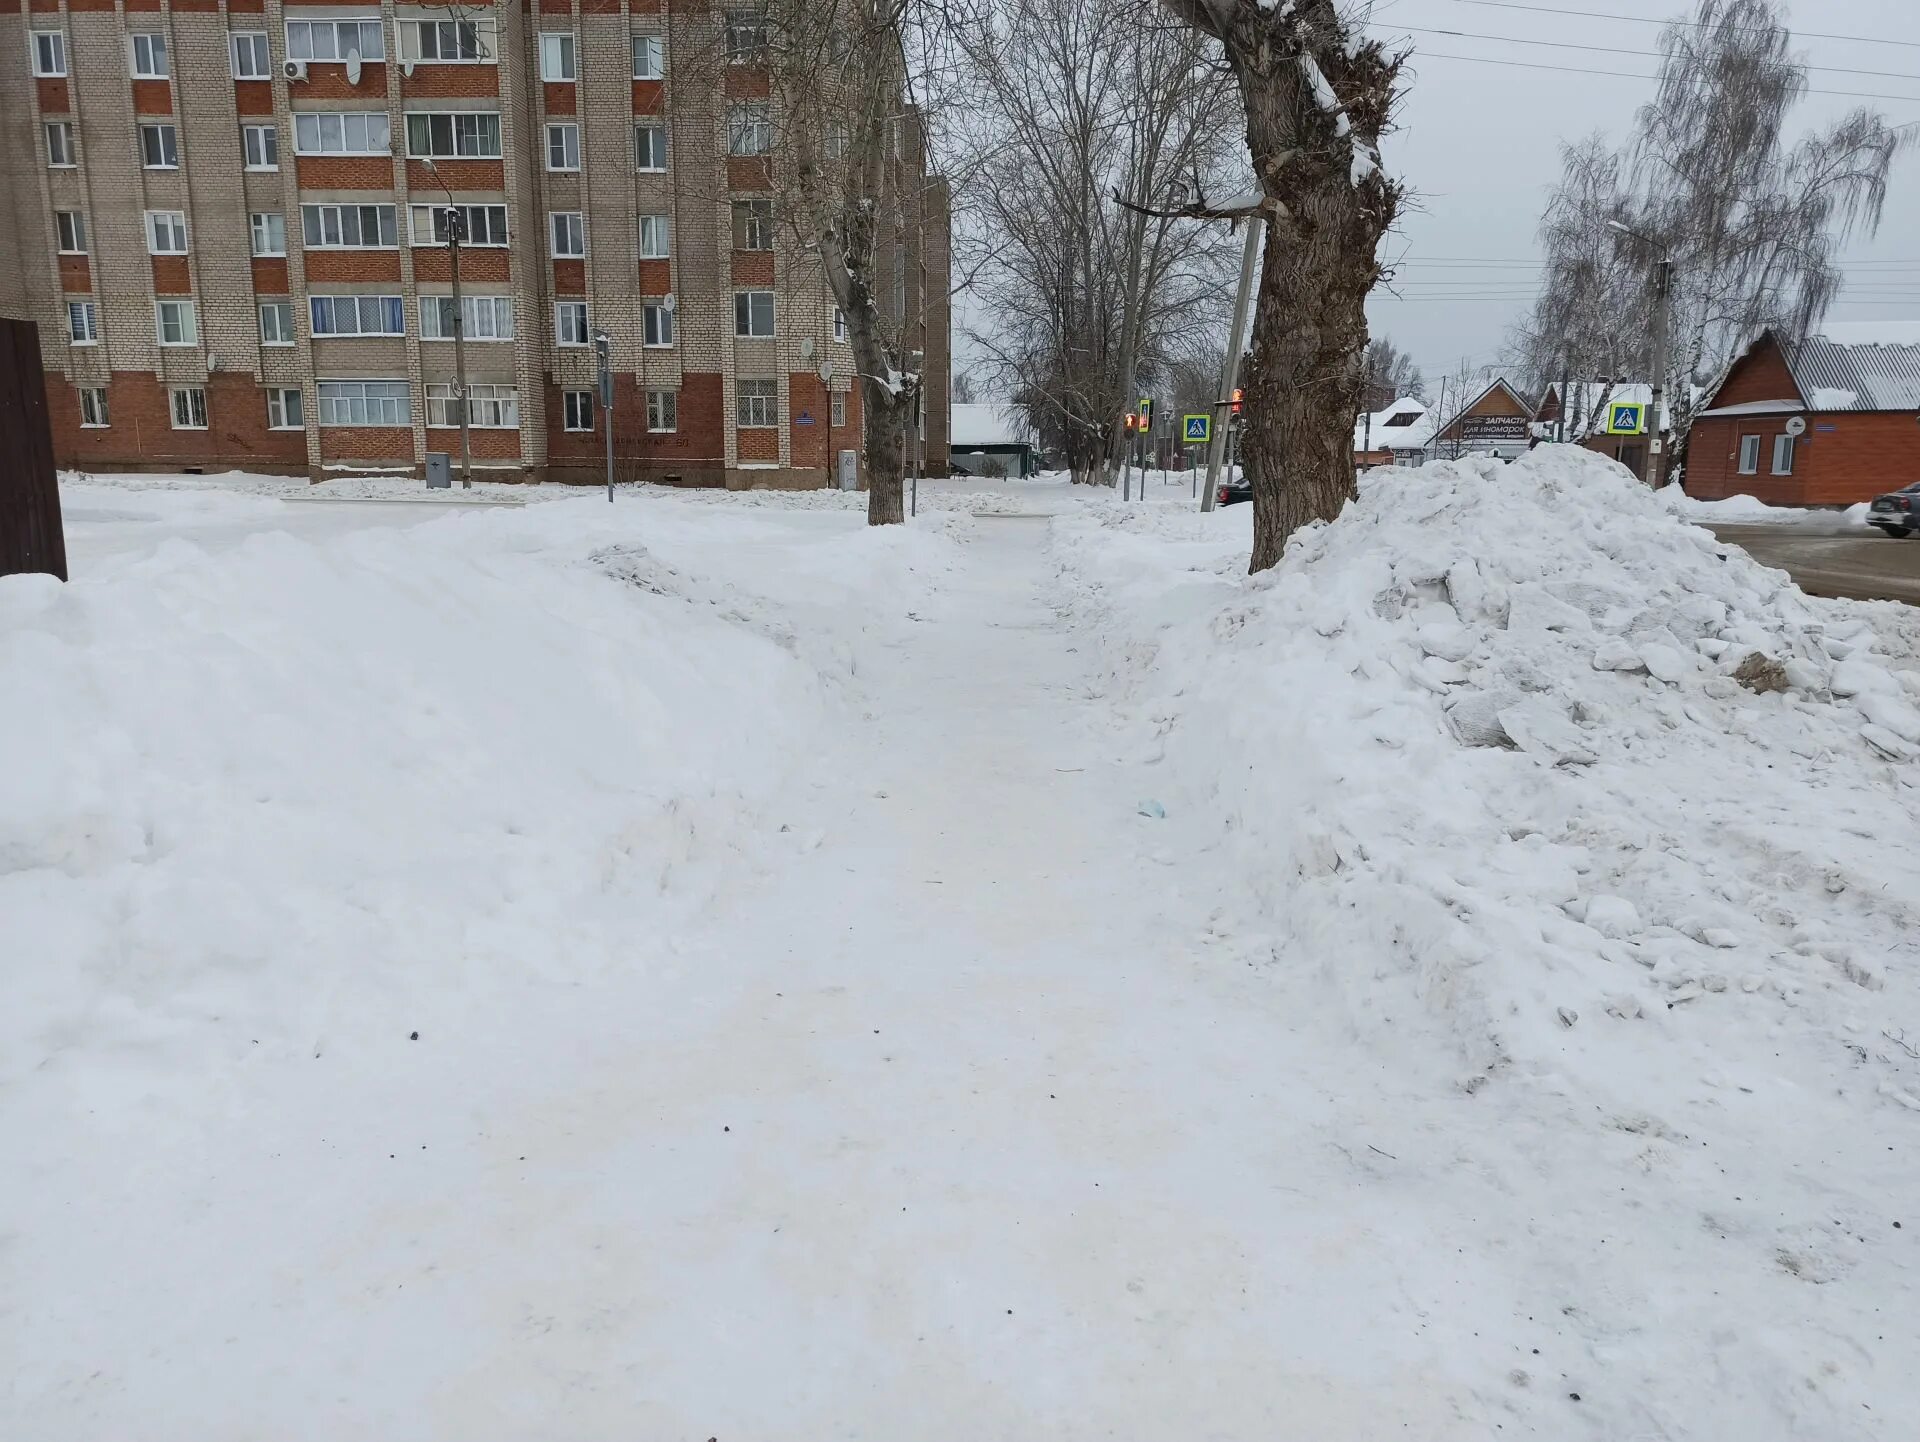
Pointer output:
1146, 413
1237, 395
1132, 421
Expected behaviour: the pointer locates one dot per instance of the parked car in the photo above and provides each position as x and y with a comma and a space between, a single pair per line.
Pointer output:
1898, 512
1237, 489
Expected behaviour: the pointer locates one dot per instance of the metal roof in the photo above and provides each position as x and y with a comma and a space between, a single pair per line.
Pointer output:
1878, 372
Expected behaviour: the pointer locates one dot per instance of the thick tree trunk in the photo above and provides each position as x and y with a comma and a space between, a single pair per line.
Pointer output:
885, 452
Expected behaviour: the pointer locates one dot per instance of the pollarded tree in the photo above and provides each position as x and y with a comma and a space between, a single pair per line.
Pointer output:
1318, 93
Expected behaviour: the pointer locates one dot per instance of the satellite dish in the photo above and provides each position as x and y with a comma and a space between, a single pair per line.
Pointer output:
669, 301
826, 371
353, 67
1796, 425
806, 347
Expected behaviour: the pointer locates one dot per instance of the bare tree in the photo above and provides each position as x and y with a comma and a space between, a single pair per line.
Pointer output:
962, 389
1390, 374
1317, 93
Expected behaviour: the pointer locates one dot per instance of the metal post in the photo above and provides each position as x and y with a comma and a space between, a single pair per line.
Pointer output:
1662, 288
603, 354
1230, 371
456, 231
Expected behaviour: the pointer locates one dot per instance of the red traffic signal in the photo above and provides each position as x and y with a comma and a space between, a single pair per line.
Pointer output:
1237, 395
1132, 421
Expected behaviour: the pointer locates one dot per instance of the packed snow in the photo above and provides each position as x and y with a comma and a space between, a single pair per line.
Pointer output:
700, 967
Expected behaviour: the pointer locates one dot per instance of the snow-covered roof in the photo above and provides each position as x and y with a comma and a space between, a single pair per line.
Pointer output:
1860, 366
1589, 402
1756, 408
986, 424
1406, 425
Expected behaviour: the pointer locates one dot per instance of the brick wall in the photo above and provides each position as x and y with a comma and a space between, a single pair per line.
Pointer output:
392, 445
353, 265
1866, 454
142, 434
1760, 375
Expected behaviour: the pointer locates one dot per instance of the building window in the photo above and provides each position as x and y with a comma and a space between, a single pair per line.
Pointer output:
837, 413
835, 144
749, 129
839, 325
363, 403
269, 232
342, 132
49, 53
261, 146
284, 412
753, 313
83, 322
1783, 455
746, 32
556, 56
656, 323
166, 232
489, 407
649, 57
485, 224
576, 410
276, 322
753, 224
563, 145
1749, 455
149, 56
356, 315
656, 237
189, 406
487, 317
93, 408
159, 147
650, 146
663, 410
757, 403
448, 135
59, 134
175, 322
72, 228
250, 58
445, 42
348, 227
569, 230
570, 323
335, 40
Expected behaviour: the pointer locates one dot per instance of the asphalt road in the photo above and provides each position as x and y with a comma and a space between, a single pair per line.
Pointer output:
1869, 567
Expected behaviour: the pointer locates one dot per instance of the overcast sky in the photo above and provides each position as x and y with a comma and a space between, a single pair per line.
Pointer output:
1479, 144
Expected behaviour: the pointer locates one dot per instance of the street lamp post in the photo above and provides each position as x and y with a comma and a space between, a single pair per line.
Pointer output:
1662, 291
603, 357
455, 219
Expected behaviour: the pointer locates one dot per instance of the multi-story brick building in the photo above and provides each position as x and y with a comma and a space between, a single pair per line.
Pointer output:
226, 216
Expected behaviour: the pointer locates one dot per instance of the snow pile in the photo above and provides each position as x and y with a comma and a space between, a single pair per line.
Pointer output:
1746, 510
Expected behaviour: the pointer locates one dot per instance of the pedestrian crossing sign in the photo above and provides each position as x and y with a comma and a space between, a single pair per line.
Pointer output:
1626, 418
1197, 430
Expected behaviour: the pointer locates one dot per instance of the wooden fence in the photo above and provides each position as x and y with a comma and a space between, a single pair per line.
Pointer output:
30, 535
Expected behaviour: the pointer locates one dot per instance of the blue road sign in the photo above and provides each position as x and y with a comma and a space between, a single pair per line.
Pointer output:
1197, 428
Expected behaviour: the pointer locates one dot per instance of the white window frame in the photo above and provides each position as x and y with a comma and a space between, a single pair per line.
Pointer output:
83, 322
753, 220
574, 224
840, 325
313, 129
260, 146
267, 233
573, 403
195, 410
749, 313
1749, 455
167, 136
656, 325
48, 49
655, 237
327, 312
663, 412
70, 232
1783, 448
302, 38
649, 57
758, 409
277, 417
63, 131
565, 313
749, 125
94, 411
567, 134
394, 399
837, 409
166, 232
282, 328
448, 36
490, 407
475, 140
426, 224
319, 211
746, 31
253, 45
154, 58
559, 57
488, 318
657, 147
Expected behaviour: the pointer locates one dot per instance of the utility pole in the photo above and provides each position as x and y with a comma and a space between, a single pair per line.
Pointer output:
603, 355
455, 217
1230, 370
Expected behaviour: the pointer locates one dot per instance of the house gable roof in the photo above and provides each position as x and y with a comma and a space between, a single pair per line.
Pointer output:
1850, 366
1499, 384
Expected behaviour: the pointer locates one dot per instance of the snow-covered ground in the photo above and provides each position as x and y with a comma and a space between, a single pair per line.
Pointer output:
699, 967
1747, 511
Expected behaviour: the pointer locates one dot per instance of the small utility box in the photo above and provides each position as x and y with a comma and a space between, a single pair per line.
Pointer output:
439, 471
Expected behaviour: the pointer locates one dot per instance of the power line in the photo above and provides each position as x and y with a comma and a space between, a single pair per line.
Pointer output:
1611, 49
1690, 24
1635, 75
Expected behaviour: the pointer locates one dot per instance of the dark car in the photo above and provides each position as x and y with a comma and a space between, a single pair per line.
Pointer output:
1237, 489
1898, 512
